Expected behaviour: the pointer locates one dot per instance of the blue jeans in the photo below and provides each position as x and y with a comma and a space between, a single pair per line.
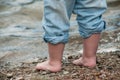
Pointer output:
57, 13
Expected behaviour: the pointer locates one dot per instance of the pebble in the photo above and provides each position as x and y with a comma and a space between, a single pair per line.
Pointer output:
2, 76
31, 61
9, 75
65, 72
44, 72
20, 78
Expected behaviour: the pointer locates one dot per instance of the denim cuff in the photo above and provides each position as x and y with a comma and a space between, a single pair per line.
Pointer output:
56, 39
86, 33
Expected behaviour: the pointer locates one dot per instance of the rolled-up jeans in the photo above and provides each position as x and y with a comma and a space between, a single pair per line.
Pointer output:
57, 13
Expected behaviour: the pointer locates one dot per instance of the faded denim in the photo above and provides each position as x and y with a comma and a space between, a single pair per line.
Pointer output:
57, 13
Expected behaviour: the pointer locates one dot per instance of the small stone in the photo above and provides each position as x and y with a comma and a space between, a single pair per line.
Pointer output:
31, 61
44, 72
35, 60
118, 55
20, 78
2, 76
9, 75
96, 78
97, 74
65, 72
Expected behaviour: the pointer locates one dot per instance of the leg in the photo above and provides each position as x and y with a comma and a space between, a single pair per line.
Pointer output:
89, 51
56, 26
89, 17
53, 64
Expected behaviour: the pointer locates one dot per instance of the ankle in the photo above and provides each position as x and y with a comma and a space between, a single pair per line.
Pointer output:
89, 61
57, 63
89, 58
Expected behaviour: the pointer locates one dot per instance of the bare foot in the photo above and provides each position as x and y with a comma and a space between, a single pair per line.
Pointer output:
52, 67
91, 63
